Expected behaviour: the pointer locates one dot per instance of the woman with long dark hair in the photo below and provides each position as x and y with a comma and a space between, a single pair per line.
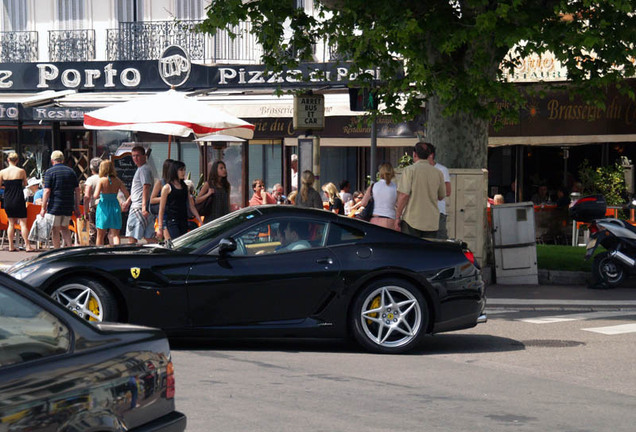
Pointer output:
155, 195
308, 197
213, 200
174, 204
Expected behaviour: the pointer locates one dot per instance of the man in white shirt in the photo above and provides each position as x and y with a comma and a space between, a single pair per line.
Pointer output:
294, 172
345, 195
442, 232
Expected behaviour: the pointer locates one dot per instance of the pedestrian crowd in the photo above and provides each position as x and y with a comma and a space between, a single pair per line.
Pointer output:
156, 210
415, 204
168, 207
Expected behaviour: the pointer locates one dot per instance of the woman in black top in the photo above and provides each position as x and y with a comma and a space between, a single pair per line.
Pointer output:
213, 200
175, 200
335, 203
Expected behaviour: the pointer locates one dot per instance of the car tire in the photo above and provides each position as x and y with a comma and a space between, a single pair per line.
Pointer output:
87, 298
608, 270
389, 316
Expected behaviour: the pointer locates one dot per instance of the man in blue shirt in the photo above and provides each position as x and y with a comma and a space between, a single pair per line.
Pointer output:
61, 198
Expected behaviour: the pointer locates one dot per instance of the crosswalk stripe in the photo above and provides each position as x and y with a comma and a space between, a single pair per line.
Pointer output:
576, 317
613, 330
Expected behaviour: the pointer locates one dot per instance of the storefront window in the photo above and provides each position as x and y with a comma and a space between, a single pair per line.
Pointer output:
266, 163
337, 164
233, 158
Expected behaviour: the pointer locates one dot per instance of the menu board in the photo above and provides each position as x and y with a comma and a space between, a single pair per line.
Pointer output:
125, 167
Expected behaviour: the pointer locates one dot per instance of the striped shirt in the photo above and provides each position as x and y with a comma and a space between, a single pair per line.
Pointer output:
62, 182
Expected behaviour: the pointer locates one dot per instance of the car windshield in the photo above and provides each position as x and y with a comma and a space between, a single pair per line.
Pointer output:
201, 236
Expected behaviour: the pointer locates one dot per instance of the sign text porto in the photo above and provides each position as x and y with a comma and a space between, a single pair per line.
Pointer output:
172, 70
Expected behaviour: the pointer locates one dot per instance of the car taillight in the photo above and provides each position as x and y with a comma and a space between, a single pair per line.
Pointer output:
170, 388
469, 256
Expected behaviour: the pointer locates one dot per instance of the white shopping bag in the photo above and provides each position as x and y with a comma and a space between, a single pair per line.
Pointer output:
41, 229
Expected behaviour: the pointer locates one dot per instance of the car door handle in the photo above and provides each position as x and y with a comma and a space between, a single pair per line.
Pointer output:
326, 260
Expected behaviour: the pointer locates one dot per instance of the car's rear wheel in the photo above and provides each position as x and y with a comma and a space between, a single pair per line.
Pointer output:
389, 316
87, 298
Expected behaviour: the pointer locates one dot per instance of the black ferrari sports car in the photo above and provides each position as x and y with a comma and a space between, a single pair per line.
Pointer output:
273, 271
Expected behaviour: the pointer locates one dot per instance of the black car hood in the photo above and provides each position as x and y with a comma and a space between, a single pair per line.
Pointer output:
89, 252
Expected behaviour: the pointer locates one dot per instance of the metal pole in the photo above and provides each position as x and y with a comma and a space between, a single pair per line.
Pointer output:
372, 157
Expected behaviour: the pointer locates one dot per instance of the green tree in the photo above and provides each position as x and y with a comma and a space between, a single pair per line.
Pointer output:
608, 181
450, 54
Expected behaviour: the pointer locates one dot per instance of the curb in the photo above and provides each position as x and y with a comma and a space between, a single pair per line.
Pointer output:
560, 277
560, 304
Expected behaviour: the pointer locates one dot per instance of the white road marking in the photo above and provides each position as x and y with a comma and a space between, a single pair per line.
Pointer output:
576, 317
613, 330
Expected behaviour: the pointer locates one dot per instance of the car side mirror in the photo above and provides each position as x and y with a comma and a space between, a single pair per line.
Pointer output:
226, 246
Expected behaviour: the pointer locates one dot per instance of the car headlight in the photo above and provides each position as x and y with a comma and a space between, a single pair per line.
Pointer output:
23, 272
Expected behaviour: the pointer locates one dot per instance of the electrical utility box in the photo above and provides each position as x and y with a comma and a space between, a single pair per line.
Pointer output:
466, 209
515, 244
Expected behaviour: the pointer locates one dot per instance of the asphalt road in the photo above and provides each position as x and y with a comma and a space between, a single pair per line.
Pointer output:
524, 370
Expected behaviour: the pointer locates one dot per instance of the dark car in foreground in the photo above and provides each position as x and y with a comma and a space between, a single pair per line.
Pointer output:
61, 373
274, 271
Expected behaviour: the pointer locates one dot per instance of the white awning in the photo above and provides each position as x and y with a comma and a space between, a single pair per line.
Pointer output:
238, 104
32, 99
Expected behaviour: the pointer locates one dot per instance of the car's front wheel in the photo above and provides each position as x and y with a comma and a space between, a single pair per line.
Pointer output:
389, 316
87, 298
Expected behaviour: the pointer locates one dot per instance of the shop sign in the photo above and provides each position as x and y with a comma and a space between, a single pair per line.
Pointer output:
336, 126
172, 70
9, 111
60, 114
559, 113
174, 66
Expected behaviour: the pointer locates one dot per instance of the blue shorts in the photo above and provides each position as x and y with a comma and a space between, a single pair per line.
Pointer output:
139, 227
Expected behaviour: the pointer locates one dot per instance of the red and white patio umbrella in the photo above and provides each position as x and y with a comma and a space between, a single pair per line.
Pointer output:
168, 113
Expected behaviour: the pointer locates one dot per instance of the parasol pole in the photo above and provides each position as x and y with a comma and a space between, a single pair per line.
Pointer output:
169, 145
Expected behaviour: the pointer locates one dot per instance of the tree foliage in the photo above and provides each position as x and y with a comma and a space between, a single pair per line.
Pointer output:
608, 181
450, 52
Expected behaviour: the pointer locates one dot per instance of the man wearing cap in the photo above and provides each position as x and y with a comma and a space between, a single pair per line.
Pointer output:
61, 198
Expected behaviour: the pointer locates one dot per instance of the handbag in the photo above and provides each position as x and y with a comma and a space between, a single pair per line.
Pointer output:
205, 208
154, 209
367, 211
83, 233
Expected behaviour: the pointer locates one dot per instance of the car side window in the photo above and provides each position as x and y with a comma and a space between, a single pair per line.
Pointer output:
280, 236
340, 234
28, 332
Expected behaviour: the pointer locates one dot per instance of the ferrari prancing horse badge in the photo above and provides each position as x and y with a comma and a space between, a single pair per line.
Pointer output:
135, 271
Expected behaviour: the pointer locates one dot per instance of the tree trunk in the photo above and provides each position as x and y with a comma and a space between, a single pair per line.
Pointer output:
460, 140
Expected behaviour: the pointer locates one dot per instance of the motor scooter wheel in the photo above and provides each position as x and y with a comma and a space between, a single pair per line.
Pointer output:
608, 270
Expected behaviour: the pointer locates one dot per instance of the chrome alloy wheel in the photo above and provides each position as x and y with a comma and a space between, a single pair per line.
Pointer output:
81, 300
391, 316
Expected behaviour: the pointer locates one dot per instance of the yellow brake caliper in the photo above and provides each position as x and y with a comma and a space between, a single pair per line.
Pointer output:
374, 305
93, 306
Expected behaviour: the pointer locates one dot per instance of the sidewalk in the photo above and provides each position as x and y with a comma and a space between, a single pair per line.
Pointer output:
501, 296
7, 258
560, 297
